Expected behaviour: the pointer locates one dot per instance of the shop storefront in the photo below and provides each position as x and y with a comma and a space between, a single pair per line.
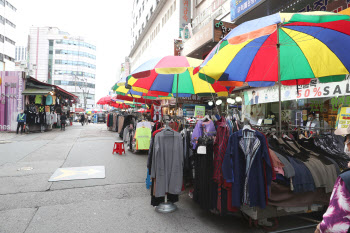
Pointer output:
322, 99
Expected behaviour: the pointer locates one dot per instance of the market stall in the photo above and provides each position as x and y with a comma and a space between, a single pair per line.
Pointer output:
44, 105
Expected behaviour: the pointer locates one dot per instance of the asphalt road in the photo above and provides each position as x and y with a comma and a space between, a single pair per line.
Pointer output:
118, 203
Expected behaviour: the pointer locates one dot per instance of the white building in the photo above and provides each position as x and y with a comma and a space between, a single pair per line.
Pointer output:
155, 26
7, 35
58, 58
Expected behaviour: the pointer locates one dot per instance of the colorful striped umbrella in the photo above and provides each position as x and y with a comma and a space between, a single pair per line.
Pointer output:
163, 84
165, 65
121, 90
294, 47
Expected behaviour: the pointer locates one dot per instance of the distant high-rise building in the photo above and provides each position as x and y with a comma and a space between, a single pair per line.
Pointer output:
68, 61
7, 35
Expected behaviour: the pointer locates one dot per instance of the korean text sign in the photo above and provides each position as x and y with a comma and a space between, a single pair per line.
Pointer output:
240, 7
199, 111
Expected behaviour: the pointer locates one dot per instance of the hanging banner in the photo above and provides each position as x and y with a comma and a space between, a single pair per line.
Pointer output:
313, 90
240, 7
199, 111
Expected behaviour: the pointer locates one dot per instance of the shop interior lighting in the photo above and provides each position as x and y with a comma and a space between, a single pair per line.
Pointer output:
229, 100
210, 103
238, 99
218, 102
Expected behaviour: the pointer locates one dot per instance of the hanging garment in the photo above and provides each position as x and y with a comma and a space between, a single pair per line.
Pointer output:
205, 190
248, 167
144, 124
202, 129
143, 138
156, 113
38, 99
167, 162
120, 125
220, 145
48, 100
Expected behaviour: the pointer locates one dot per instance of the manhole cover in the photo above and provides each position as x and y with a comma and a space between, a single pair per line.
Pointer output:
25, 169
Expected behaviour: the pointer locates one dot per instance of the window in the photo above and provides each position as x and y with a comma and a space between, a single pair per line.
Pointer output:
10, 41
9, 5
2, 2
140, 13
10, 23
151, 10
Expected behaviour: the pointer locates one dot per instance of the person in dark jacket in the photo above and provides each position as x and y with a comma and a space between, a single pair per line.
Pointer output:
21, 121
82, 119
63, 121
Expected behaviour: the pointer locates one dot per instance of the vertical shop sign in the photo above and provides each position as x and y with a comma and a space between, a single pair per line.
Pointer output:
240, 7
185, 15
199, 111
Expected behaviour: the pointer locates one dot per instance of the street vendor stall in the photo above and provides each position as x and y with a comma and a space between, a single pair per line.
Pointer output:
44, 105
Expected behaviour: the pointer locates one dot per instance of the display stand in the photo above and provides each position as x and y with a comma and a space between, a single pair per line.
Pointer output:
166, 207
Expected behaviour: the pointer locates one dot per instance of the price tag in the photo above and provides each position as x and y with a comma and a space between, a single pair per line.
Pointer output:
202, 150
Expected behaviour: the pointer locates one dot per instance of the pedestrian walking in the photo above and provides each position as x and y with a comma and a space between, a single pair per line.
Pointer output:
336, 218
82, 119
89, 119
63, 122
21, 121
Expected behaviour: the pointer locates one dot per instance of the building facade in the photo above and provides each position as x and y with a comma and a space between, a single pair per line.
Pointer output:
68, 61
155, 26
213, 19
21, 53
7, 35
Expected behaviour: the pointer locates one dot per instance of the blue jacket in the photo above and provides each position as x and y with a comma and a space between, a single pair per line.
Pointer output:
234, 170
21, 117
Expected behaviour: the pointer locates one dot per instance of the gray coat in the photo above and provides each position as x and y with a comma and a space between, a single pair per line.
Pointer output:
167, 162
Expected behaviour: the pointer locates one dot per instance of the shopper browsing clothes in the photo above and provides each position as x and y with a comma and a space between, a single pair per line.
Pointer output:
63, 122
337, 216
21, 121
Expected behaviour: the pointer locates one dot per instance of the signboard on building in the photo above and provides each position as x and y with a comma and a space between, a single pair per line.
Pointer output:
199, 111
313, 90
343, 118
221, 29
185, 14
324, 5
207, 15
240, 7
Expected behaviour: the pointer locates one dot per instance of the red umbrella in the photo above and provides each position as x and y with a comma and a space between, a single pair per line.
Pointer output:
104, 100
142, 110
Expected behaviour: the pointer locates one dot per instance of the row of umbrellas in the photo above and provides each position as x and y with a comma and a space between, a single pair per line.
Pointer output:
291, 48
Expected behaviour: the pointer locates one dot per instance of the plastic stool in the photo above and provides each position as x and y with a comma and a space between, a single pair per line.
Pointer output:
118, 147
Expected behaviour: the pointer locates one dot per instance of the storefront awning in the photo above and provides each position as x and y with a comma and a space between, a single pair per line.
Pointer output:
36, 91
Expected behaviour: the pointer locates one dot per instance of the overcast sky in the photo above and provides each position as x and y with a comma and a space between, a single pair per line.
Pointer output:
107, 22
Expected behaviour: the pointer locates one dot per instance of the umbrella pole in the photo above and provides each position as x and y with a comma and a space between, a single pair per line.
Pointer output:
279, 87
177, 90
